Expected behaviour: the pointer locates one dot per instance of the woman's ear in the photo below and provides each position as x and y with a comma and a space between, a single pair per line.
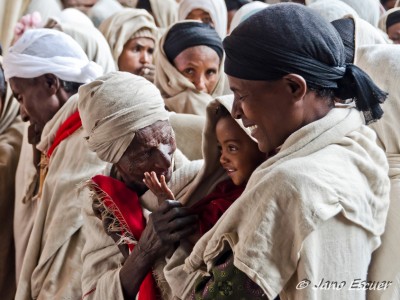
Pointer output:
52, 83
297, 86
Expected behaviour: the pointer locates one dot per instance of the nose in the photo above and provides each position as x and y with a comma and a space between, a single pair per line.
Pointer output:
164, 158
23, 113
223, 159
145, 57
200, 83
236, 109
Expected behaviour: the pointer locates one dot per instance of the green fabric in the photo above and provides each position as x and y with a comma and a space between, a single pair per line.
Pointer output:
226, 282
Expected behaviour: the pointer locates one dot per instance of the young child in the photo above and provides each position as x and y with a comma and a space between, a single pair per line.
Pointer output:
238, 157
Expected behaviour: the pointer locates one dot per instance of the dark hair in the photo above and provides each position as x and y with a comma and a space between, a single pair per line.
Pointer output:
70, 86
324, 93
222, 112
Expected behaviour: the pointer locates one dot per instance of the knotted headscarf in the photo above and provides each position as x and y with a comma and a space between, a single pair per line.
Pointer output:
267, 47
113, 108
43, 51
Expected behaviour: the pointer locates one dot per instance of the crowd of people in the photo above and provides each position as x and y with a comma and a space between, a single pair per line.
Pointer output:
199, 149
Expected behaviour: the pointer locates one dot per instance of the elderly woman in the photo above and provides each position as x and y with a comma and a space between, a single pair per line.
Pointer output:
127, 126
324, 195
390, 23
213, 12
189, 65
132, 35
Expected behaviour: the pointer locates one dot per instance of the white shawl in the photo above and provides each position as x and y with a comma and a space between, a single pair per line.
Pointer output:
381, 63
77, 25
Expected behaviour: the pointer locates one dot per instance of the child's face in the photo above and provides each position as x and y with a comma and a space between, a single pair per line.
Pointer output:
239, 154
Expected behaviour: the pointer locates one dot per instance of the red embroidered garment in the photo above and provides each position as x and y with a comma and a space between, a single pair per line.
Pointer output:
212, 206
124, 203
70, 125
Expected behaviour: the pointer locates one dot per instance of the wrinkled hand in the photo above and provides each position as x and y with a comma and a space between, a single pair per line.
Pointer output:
168, 225
148, 72
160, 189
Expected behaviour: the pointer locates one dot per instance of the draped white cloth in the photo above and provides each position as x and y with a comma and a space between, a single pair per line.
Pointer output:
77, 25
380, 63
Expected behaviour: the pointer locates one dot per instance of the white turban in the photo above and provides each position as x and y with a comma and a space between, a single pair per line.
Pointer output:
114, 107
43, 51
216, 8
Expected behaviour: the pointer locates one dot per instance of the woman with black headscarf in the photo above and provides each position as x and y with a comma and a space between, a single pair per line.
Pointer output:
189, 63
312, 214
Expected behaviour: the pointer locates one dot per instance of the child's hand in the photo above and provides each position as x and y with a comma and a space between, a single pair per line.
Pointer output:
161, 190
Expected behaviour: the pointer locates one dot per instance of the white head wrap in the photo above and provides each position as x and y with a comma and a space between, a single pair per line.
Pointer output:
43, 51
246, 11
165, 12
333, 9
114, 107
216, 8
369, 10
122, 26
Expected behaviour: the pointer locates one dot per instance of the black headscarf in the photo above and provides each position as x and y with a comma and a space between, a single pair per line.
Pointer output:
290, 38
346, 29
393, 18
189, 34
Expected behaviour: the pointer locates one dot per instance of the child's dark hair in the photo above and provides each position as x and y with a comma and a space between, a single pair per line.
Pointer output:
222, 112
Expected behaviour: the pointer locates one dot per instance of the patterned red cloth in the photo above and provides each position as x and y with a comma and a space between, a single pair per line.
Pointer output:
124, 203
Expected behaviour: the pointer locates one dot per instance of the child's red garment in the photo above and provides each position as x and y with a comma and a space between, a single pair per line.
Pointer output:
212, 206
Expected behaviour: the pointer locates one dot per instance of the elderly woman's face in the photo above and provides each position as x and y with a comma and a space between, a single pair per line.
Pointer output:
267, 107
136, 55
151, 149
199, 64
200, 15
